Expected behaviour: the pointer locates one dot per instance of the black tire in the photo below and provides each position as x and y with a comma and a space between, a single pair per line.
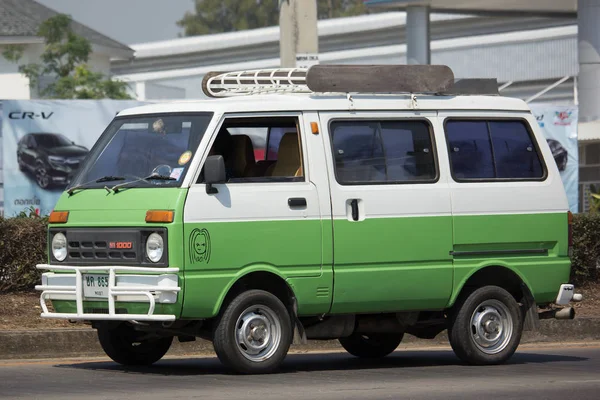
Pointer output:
41, 176
123, 346
476, 338
373, 345
268, 308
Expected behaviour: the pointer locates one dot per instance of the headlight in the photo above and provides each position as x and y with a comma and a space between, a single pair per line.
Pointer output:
56, 160
59, 247
155, 247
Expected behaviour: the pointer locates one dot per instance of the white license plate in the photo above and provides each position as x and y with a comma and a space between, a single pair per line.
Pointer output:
95, 286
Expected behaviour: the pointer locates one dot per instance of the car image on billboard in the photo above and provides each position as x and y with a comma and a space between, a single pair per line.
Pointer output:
50, 158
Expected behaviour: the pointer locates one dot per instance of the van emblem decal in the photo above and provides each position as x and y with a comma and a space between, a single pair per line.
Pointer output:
199, 246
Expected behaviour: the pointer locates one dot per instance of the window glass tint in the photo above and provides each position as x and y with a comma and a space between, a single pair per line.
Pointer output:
492, 150
49, 140
137, 146
382, 151
515, 154
470, 149
259, 149
275, 135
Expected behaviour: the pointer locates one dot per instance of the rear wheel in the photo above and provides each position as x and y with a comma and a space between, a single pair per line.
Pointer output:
254, 333
486, 327
126, 346
373, 345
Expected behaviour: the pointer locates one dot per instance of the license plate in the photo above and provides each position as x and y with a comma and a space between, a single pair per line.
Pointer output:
95, 286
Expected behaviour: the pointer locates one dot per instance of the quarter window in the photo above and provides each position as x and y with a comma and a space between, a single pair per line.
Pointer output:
492, 149
382, 151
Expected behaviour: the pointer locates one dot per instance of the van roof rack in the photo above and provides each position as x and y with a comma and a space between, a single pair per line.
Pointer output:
372, 79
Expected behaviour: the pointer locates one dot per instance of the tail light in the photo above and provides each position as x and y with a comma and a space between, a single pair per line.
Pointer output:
570, 221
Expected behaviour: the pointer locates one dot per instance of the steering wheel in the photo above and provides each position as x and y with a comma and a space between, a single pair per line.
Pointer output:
162, 170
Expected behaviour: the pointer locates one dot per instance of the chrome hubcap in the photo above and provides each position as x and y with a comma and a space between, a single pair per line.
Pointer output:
491, 326
258, 333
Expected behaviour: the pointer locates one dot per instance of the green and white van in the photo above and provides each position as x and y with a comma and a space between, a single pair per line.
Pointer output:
279, 213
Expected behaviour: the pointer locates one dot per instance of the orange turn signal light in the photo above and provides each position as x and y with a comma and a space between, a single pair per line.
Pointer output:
58, 217
159, 216
314, 127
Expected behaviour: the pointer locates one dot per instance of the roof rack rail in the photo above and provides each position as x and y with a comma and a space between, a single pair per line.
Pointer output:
368, 79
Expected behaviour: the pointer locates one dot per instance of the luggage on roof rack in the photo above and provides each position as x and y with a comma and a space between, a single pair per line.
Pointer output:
374, 79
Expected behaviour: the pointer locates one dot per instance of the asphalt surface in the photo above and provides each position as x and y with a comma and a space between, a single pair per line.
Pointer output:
548, 372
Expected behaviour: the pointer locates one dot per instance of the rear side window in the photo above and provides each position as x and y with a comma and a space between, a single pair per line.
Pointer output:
492, 150
371, 151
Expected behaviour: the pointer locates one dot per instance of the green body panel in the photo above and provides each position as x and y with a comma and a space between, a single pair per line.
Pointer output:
542, 274
390, 264
96, 208
341, 266
289, 249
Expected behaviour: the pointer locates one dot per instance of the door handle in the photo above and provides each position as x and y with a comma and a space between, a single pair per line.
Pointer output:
297, 202
354, 206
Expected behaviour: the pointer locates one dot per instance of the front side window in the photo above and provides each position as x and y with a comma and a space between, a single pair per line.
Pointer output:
134, 148
492, 150
260, 149
372, 151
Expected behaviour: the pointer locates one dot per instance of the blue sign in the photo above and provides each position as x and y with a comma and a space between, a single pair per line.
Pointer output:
44, 142
559, 126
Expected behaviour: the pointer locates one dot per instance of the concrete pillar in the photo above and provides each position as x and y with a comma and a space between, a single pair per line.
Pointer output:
299, 39
588, 15
417, 35
140, 90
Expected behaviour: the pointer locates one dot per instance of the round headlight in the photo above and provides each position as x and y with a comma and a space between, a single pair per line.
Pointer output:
59, 247
154, 247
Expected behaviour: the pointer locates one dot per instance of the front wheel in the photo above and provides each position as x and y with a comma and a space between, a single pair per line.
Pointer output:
41, 176
254, 333
373, 345
127, 346
486, 327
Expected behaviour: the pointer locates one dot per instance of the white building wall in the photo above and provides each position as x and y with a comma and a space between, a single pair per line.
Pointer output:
15, 86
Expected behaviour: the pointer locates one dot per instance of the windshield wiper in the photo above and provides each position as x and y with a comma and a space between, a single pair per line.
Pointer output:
110, 179
107, 178
146, 179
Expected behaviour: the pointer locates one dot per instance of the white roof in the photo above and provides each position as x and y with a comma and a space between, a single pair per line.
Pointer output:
514, 6
332, 102
588, 131
239, 39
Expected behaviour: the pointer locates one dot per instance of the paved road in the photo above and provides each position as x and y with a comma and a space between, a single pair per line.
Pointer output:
571, 372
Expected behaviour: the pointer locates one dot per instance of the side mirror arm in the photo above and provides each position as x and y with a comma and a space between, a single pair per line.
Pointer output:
210, 189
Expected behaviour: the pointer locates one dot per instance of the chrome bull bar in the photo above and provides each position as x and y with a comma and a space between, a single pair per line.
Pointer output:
151, 285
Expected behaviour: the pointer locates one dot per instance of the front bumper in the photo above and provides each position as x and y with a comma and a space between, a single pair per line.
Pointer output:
145, 284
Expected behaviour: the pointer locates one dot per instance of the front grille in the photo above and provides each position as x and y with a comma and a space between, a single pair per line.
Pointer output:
88, 250
108, 246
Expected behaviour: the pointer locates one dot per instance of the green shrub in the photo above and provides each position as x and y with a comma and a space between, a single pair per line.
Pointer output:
586, 248
22, 246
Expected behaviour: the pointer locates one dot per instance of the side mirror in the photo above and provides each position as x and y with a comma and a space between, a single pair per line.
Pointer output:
214, 173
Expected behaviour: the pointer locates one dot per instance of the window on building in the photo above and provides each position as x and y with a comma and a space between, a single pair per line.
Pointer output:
372, 151
492, 149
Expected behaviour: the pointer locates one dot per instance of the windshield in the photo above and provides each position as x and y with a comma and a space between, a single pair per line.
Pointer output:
133, 148
49, 140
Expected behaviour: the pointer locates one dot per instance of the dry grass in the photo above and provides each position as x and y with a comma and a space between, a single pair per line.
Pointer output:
22, 312
590, 306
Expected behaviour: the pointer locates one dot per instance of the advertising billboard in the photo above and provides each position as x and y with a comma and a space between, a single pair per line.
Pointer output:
559, 125
43, 145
